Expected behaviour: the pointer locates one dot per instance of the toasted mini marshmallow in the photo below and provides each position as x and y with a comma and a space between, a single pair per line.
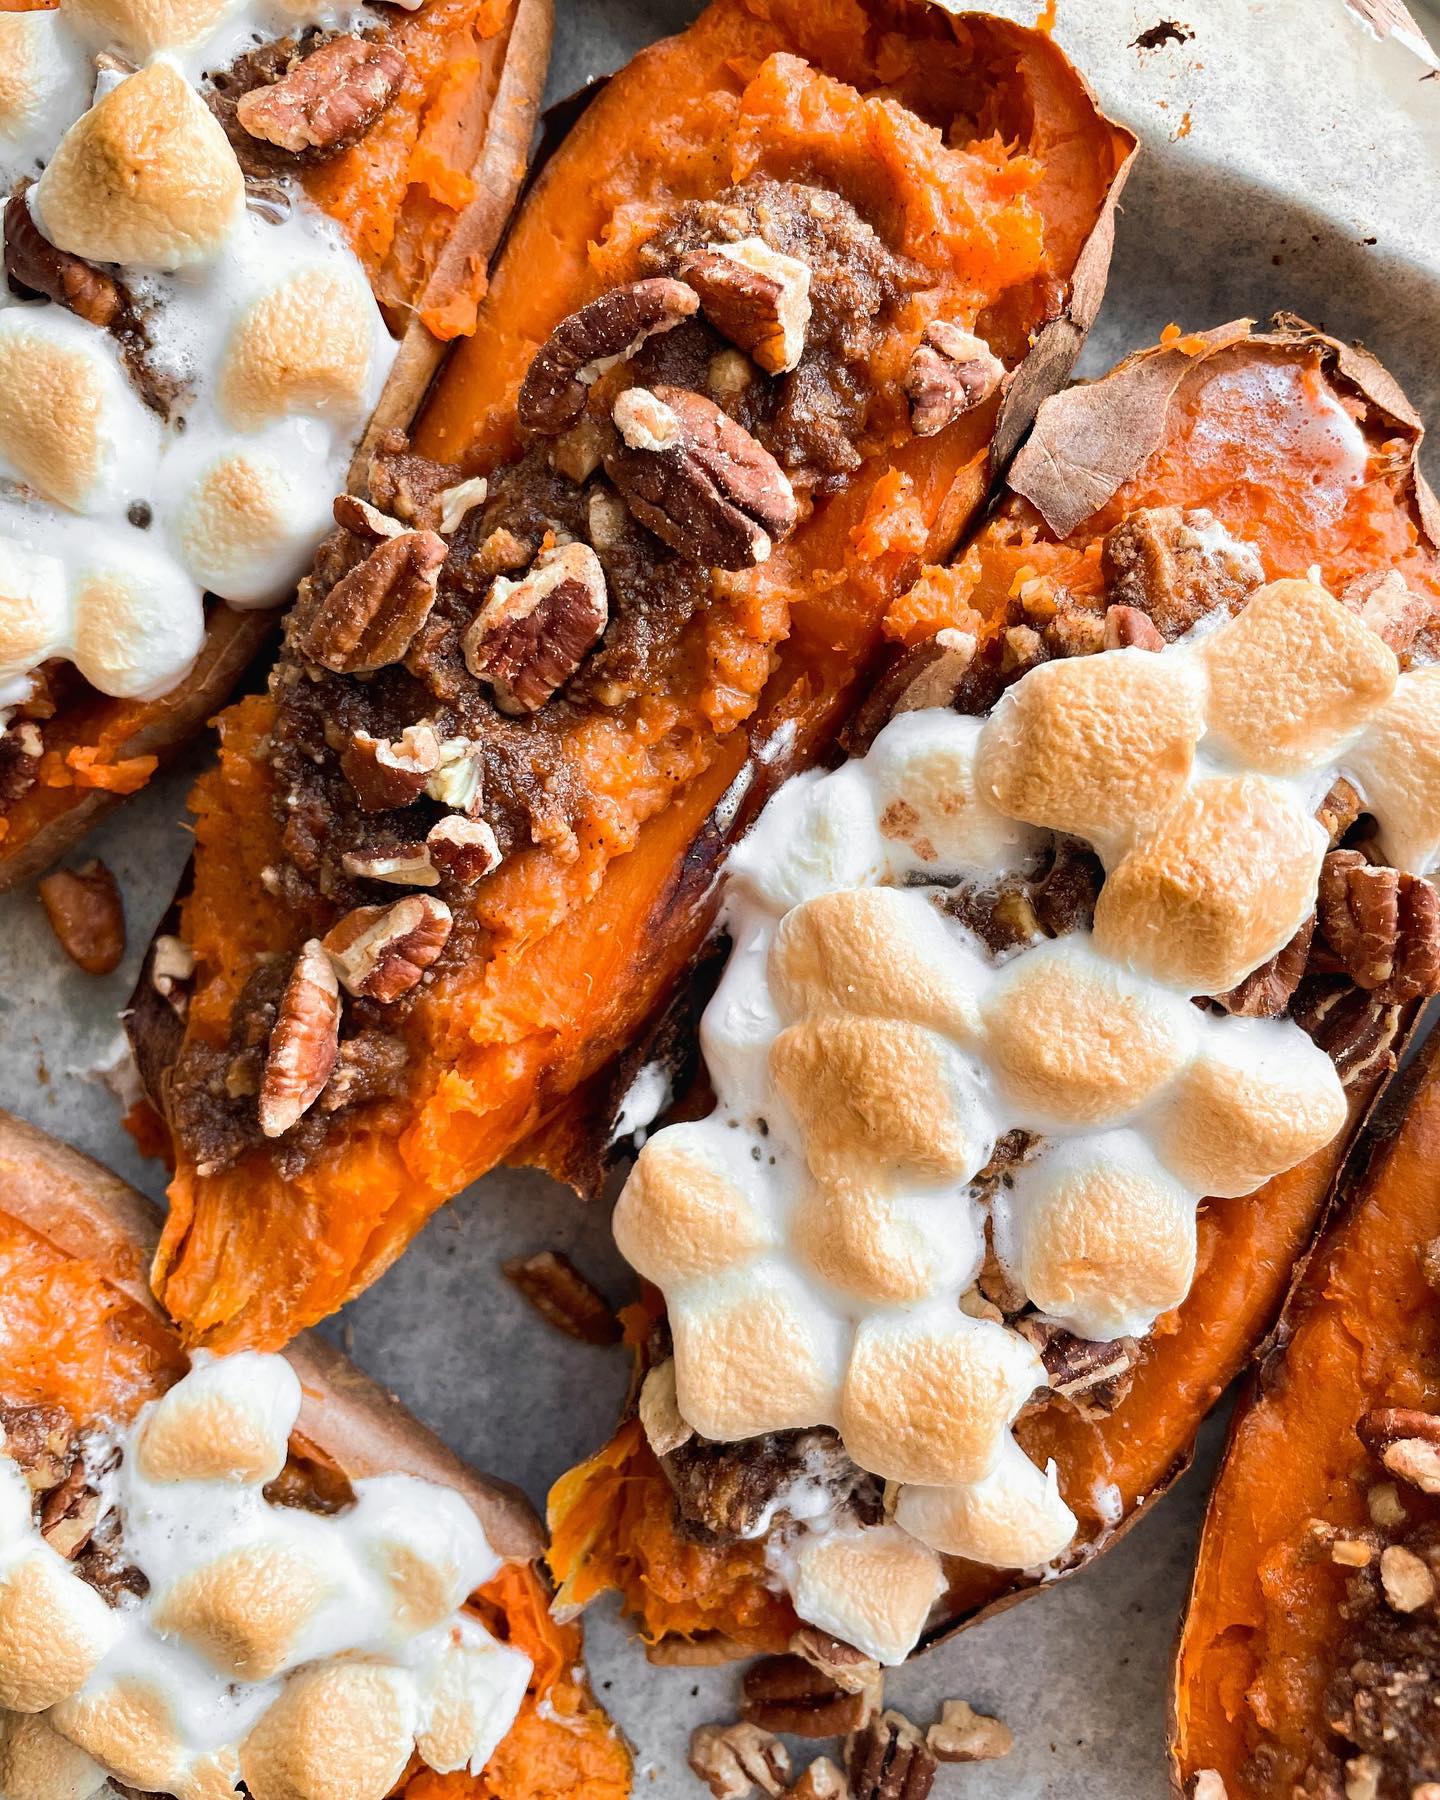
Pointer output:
1293, 678
1076, 1040
929, 1398
932, 812
857, 1234
245, 1610
138, 28
1013, 1518
473, 1697
34, 603
128, 1725
36, 1763
1217, 889
881, 1091
54, 1629
681, 1216
426, 1545
338, 1728
872, 1588
138, 624
1097, 745
146, 177
212, 1777
879, 951
1099, 1236
1259, 1100
1397, 764
754, 1353
818, 834
302, 346
45, 81
71, 426
247, 526
229, 1419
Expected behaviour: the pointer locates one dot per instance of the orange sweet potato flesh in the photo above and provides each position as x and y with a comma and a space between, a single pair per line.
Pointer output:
1234, 439
1362, 1330
69, 1338
401, 195
570, 956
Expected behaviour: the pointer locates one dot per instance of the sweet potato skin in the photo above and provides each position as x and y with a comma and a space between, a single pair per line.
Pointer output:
1359, 1330
573, 956
424, 207
1144, 448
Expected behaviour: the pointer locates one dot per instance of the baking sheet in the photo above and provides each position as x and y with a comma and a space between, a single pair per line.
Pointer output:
1290, 161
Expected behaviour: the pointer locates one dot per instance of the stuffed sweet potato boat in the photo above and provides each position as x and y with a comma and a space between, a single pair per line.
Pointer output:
1307, 1660
1171, 740
350, 1530
315, 185
764, 321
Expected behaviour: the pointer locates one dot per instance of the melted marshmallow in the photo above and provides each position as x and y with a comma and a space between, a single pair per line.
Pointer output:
815, 1235
246, 1599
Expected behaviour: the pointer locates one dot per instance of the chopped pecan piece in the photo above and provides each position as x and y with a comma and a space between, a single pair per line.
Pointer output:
1064, 897
1176, 566
390, 772
733, 1760
927, 674
21, 748
458, 777
304, 1042
1407, 1581
576, 453
582, 347
1407, 1442
87, 916
847, 1667
531, 635
1383, 925
329, 100
380, 952
406, 485
887, 1760
951, 372
1339, 810
370, 615
70, 1513
1354, 1029
822, 1780
459, 499
464, 849
1127, 628
698, 479
788, 1693
33, 265
172, 969
41, 1440
1074, 631
755, 296
563, 1297
1094, 1376
363, 519
1266, 992
1389, 608
371, 1066
660, 1417
404, 865
963, 1735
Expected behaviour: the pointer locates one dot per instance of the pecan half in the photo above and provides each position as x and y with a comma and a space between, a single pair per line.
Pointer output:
1389, 608
928, 674
70, 1513
563, 1297
788, 1693
390, 772
370, 615
847, 1667
363, 519
1266, 992
328, 101
951, 373
380, 952
531, 635
1127, 628
582, 347
733, 1760
1354, 1029
1094, 1376
888, 1760
87, 916
963, 1735
1407, 1442
464, 849
1383, 925
755, 296
697, 479
304, 1042
1176, 566
33, 265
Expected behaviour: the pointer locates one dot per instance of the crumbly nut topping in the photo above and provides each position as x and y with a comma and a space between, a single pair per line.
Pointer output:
1407, 1441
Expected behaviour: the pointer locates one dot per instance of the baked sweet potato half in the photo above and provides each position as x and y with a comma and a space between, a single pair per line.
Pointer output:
887, 914
1307, 1657
758, 334
88, 1368
411, 140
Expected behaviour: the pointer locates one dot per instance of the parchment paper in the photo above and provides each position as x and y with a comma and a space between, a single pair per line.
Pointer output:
1290, 160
